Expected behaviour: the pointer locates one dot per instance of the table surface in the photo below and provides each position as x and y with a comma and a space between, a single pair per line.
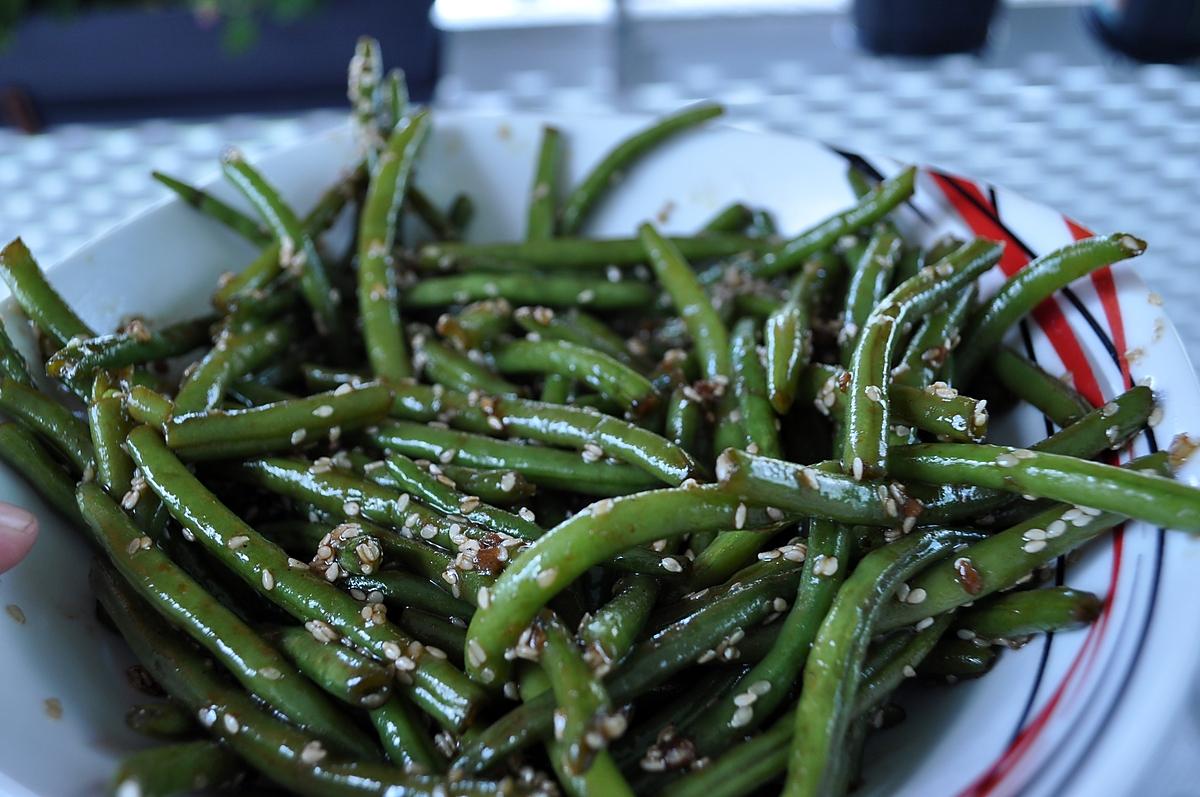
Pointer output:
1044, 111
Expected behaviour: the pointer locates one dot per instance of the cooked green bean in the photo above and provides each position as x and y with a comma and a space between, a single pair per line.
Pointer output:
233, 356
733, 218
362, 89
402, 590
162, 720
556, 290
432, 629
611, 632
612, 167
434, 685
455, 370
37, 298
148, 407
435, 219
216, 209
573, 326
290, 757
1155, 499
831, 675
575, 254
341, 671
587, 719
404, 739
138, 345
1057, 400
770, 681
26, 455
606, 375
1007, 557
501, 487
604, 529
383, 333
867, 420
1033, 284
685, 421
49, 419
225, 434
788, 331
252, 661
1038, 611
749, 382
869, 281
912, 649
957, 659
543, 194
870, 209
542, 466
297, 250
925, 359
12, 363
179, 768
477, 325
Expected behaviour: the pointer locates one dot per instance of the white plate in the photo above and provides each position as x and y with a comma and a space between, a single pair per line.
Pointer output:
1083, 713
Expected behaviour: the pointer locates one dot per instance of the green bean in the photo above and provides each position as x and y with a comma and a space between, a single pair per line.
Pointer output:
1030, 286
26, 455
925, 359
860, 183
502, 487
604, 529
288, 756
1053, 397
214, 208
404, 737
161, 720
225, 434
870, 209
455, 370
12, 363
428, 489
867, 412
574, 326
1152, 498
556, 389
435, 219
543, 194
363, 90
601, 778
556, 290
383, 334
138, 345
831, 675
297, 250
788, 331
750, 387
612, 167
37, 298
460, 213
575, 254
606, 375
1007, 557
611, 632
250, 393
733, 218
771, 680
542, 466
431, 628
437, 687
885, 677
261, 271
179, 768
341, 671
957, 659
49, 419
175, 595
233, 356
869, 281
148, 407
396, 99
709, 337
587, 720
743, 768
685, 421
404, 590
711, 632
477, 325
1039, 611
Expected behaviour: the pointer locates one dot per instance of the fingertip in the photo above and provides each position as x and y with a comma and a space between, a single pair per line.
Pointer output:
18, 532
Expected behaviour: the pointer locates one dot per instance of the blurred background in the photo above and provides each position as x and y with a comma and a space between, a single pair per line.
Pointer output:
1089, 106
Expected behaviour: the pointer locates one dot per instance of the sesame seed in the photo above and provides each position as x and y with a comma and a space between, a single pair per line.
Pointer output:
917, 595
1056, 529
268, 580
1034, 546
856, 469
239, 541
1006, 460
742, 717
483, 598
546, 578
447, 456
351, 508
476, 655
508, 481
298, 436
923, 624
231, 723
739, 516
909, 672
744, 699
1035, 534
323, 411
526, 514
312, 752
343, 389
671, 565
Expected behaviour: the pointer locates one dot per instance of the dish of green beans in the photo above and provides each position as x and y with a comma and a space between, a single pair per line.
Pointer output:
427, 514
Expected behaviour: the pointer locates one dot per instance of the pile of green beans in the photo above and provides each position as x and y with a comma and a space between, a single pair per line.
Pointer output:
650, 513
